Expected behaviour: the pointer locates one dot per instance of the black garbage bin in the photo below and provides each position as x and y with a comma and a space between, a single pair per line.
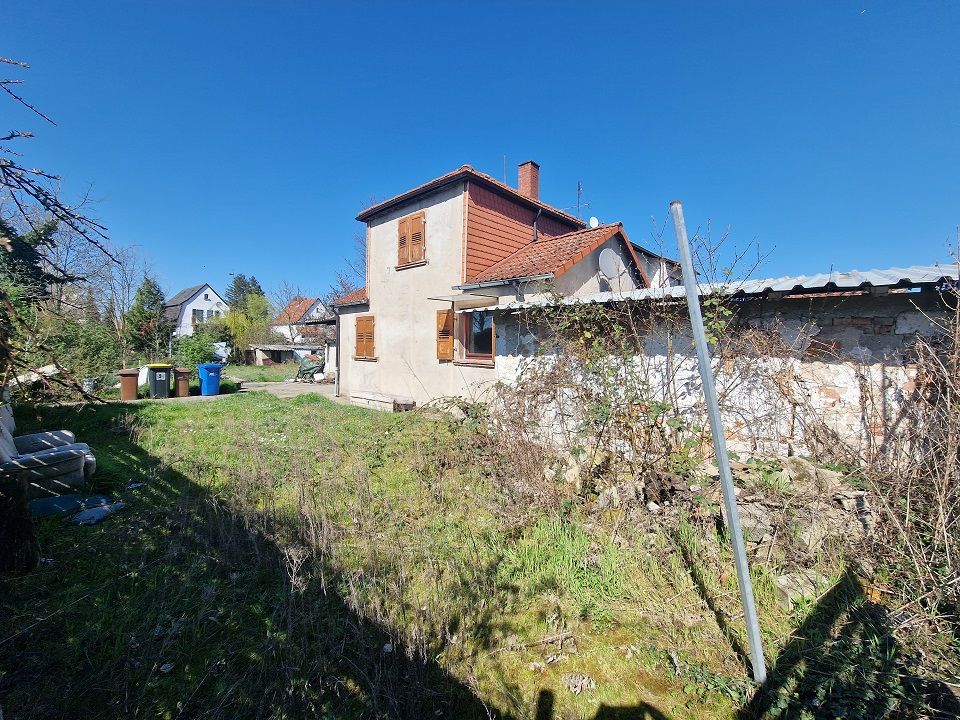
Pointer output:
158, 379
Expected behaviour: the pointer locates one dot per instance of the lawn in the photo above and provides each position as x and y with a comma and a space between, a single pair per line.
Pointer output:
262, 373
293, 558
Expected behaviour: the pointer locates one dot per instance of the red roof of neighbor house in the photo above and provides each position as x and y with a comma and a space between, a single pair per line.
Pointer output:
469, 173
356, 297
555, 255
294, 311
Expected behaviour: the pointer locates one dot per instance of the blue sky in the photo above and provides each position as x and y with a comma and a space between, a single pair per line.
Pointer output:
245, 137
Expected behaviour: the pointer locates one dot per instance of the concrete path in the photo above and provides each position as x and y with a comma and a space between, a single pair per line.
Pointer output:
277, 389
290, 389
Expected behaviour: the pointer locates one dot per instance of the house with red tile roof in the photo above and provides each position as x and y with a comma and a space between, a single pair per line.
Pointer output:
292, 321
443, 259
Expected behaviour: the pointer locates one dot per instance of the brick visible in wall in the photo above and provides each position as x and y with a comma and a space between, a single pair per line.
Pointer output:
831, 393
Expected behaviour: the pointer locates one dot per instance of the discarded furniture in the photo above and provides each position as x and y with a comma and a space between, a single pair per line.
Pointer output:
52, 461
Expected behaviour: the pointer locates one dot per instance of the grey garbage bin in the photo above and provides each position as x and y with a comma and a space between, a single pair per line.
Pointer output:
158, 379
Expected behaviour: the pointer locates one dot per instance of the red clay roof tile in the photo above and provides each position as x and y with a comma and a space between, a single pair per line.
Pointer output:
294, 311
353, 298
552, 255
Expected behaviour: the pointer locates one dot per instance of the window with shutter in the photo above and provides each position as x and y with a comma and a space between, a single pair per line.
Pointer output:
411, 240
445, 334
403, 243
416, 238
479, 338
365, 348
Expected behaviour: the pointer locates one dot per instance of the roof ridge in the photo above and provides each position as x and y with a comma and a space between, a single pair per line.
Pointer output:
182, 296
469, 170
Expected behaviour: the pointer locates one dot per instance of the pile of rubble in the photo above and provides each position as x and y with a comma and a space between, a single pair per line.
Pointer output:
785, 503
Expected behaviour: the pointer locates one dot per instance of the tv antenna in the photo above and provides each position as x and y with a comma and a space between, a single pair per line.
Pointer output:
580, 202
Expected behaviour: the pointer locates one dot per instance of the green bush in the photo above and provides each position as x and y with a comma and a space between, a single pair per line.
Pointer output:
86, 349
195, 349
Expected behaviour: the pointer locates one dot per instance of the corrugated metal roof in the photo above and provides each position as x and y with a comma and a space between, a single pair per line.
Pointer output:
825, 282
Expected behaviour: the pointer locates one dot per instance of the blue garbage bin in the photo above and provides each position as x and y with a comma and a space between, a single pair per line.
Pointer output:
209, 378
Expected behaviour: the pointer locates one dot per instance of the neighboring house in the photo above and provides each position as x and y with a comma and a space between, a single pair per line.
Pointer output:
322, 345
194, 305
291, 322
442, 257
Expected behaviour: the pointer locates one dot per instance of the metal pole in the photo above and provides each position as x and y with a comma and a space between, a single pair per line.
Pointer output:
719, 445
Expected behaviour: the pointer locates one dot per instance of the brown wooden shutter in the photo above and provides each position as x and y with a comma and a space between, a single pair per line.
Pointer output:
417, 239
403, 242
361, 337
364, 341
445, 334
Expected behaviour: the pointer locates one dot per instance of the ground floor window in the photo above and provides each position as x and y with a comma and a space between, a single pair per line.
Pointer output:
365, 349
478, 337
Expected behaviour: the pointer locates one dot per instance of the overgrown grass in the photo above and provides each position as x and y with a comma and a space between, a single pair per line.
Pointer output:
291, 558
262, 373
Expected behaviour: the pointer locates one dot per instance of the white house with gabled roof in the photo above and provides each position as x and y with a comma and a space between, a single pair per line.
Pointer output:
192, 306
443, 259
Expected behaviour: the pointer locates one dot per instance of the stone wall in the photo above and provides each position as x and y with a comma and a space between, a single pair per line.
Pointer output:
804, 371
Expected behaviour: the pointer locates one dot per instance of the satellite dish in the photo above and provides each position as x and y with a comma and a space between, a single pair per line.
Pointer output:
609, 264
593, 222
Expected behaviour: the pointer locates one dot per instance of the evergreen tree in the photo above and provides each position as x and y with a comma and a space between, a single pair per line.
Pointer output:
253, 287
149, 329
240, 289
22, 266
237, 291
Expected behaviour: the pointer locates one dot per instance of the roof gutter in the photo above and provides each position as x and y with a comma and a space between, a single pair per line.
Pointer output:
499, 283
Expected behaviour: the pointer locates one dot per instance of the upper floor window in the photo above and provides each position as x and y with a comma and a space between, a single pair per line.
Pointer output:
197, 316
206, 296
411, 240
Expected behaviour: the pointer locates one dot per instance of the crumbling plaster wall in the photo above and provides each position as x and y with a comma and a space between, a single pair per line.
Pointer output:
834, 367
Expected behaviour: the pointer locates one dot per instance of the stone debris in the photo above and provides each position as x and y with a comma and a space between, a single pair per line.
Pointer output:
578, 682
808, 479
786, 504
803, 584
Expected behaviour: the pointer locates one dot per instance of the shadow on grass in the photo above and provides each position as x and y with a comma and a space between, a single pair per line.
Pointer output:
177, 607
642, 711
844, 662
695, 570
182, 607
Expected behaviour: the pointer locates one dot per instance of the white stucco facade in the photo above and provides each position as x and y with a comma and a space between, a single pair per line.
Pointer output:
405, 335
204, 304
404, 303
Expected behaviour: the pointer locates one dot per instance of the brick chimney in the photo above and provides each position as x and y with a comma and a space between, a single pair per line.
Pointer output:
528, 179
